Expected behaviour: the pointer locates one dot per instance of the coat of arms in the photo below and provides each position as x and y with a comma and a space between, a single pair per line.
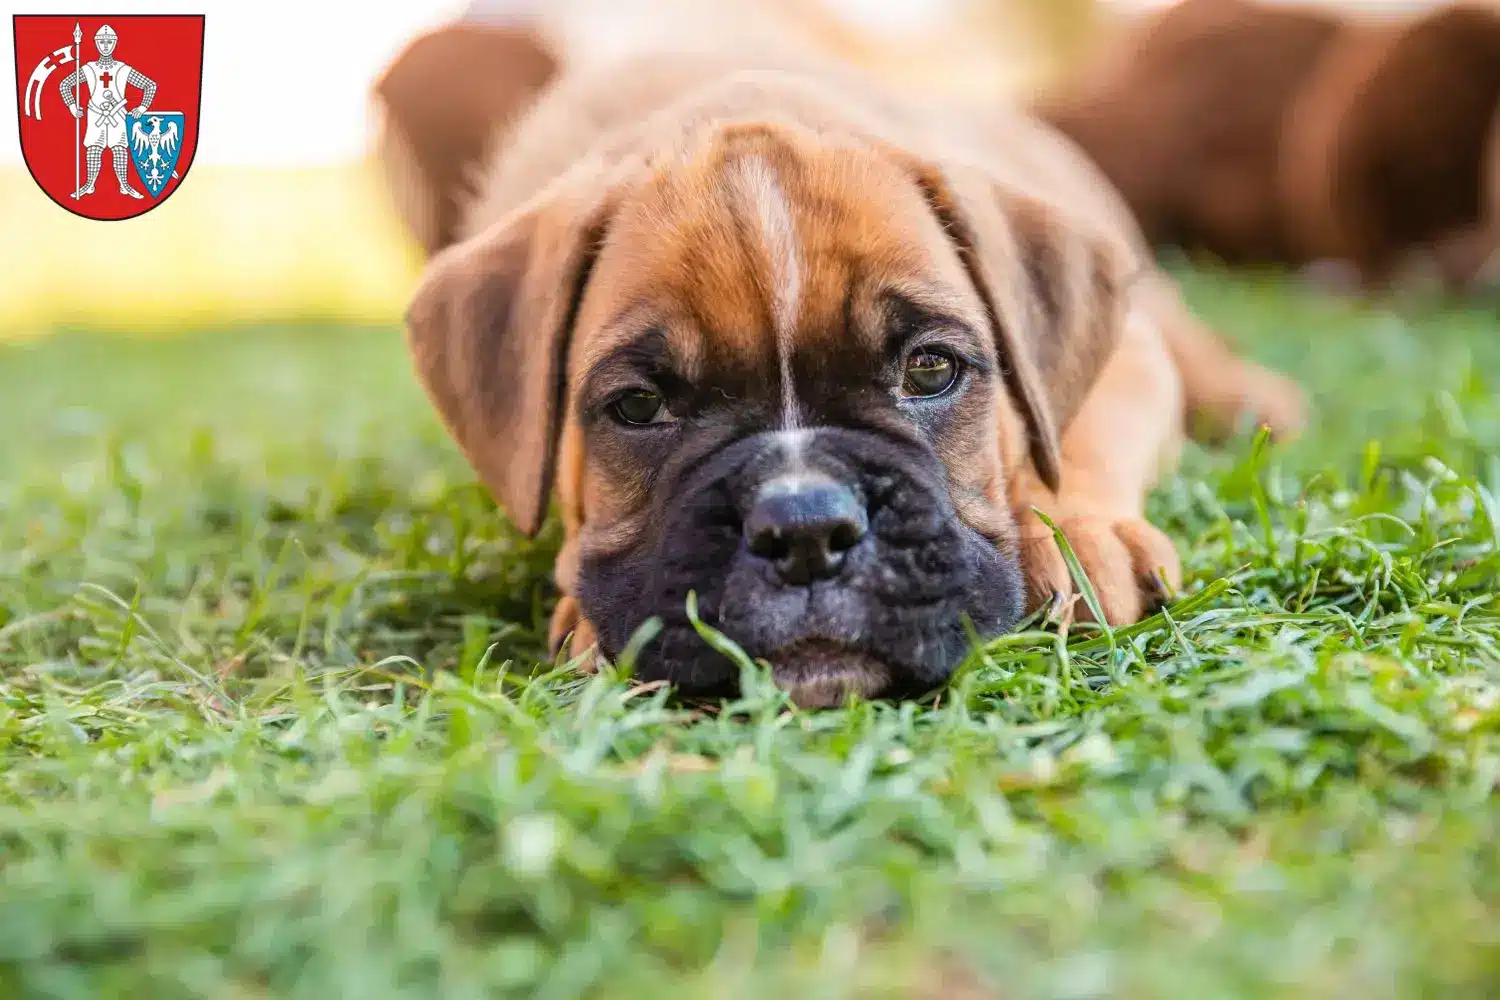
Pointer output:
109, 108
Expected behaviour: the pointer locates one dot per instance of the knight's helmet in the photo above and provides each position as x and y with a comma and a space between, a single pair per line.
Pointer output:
104, 39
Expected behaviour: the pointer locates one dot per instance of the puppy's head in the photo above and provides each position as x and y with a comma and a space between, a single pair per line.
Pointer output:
791, 374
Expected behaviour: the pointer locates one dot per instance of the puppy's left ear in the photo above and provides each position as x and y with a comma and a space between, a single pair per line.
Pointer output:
1055, 289
489, 330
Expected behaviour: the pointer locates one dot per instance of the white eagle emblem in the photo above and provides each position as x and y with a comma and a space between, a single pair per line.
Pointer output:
155, 140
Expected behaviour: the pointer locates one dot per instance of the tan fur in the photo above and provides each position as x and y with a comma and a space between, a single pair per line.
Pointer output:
752, 212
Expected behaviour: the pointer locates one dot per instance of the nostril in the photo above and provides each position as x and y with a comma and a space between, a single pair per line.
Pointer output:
768, 542
845, 535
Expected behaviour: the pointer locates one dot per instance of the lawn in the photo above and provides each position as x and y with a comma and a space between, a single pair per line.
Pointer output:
276, 718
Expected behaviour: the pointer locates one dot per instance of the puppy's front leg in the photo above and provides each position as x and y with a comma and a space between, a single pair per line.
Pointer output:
1129, 428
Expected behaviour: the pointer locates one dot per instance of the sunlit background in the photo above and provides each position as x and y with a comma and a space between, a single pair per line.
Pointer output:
281, 217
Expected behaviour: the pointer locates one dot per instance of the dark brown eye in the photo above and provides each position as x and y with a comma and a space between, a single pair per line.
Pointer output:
638, 406
929, 372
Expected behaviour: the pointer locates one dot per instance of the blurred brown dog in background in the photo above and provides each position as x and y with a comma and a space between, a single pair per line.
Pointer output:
436, 146
776, 335
1299, 135
1183, 114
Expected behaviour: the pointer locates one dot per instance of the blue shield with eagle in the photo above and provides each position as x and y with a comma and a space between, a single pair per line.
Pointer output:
155, 142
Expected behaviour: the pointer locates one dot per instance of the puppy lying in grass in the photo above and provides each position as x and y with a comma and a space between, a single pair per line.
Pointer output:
805, 349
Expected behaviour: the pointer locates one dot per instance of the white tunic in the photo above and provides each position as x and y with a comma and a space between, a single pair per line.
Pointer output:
107, 103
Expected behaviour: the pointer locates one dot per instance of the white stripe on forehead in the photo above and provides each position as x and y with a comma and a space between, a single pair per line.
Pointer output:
792, 444
755, 182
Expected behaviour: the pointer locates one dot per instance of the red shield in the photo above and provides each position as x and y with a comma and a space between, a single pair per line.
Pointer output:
112, 133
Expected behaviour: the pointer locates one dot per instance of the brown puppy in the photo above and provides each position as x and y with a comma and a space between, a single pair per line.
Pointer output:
1289, 135
1184, 115
1384, 150
1489, 272
812, 353
425, 158
1469, 260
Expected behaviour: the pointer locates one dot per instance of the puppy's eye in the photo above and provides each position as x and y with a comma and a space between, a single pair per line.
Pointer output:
929, 372
638, 406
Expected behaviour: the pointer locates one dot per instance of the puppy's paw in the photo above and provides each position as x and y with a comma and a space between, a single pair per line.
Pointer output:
1332, 276
1249, 393
1130, 563
571, 627
1273, 401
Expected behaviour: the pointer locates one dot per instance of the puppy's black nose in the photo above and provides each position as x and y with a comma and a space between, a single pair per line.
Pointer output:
804, 526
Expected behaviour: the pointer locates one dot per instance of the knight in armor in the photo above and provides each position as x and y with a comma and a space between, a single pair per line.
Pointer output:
106, 79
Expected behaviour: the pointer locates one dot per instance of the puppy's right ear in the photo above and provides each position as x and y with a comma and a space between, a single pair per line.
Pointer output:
1056, 290
490, 328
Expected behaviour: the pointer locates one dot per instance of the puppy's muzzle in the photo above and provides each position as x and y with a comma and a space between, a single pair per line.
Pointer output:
843, 565
804, 526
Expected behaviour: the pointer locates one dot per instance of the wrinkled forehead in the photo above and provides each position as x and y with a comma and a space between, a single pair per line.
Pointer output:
759, 248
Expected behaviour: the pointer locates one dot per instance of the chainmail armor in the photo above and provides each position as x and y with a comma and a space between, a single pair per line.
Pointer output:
95, 153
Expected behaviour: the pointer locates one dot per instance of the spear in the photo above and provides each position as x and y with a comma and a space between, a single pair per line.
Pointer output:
77, 72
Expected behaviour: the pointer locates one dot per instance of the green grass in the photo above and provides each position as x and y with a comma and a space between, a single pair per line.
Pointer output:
276, 721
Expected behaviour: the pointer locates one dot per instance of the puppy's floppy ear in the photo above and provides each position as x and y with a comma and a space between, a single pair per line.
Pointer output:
1055, 290
489, 329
